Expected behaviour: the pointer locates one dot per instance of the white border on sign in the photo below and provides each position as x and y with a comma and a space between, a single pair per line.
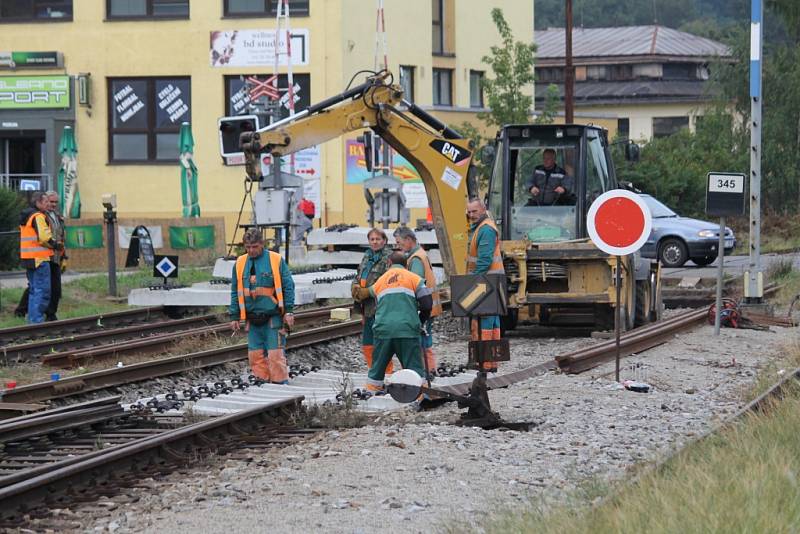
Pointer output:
602, 245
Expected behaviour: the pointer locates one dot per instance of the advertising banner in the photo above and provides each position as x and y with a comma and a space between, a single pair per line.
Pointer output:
356, 171
89, 236
256, 48
192, 237
34, 92
16, 60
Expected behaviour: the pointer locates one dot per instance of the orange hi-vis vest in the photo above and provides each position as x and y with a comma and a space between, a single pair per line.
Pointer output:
276, 293
496, 266
430, 280
29, 246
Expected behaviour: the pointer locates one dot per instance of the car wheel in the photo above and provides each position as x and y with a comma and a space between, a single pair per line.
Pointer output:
673, 253
702, 262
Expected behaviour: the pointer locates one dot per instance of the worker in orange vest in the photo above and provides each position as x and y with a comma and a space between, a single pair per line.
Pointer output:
262, 296
418, 263
36, 248
483, 256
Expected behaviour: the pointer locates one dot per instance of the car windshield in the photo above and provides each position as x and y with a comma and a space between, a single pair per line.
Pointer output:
657, 209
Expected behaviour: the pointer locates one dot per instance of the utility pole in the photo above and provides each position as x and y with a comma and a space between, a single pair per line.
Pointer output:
569, 72
754, 281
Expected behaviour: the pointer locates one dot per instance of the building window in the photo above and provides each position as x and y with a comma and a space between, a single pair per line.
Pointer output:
442, 87
679, 71
438, 26
35, 10
407, 82
550, 74
147, 9
238, 94
623, 128
262, 8
664, 126
475, 89
145, 116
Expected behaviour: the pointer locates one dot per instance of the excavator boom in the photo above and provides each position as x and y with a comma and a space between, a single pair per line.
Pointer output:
441, 156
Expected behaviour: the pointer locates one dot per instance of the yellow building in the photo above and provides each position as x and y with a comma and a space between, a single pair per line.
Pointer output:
637, 81
126, 73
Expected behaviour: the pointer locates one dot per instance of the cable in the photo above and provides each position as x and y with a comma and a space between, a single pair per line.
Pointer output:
248, 188
356, 74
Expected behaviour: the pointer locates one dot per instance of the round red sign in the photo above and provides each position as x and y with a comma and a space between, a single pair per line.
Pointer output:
619, 222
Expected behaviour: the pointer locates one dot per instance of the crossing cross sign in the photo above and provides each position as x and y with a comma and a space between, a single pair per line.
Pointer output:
725, 194
165, 267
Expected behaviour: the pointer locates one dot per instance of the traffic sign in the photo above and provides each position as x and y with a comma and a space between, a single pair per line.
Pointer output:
165, 267
478, 295
725, 194
619, 222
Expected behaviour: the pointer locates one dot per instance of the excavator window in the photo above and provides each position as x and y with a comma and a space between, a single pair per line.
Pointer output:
548, 215
597, 180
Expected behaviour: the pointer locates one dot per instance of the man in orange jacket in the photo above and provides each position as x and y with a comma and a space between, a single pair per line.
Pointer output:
36, 247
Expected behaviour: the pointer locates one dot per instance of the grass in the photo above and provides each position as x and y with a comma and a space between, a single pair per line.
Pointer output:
745, 478
89, 295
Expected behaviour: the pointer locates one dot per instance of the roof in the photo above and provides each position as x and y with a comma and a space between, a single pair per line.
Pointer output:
626, 41
604, 92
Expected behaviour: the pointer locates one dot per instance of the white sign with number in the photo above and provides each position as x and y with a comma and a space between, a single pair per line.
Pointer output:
725, 183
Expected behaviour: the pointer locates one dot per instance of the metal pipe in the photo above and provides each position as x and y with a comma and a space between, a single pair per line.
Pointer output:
569, 73
432, 121
720, 270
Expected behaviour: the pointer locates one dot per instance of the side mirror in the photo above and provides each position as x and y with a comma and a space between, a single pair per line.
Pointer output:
487, 154
632, 152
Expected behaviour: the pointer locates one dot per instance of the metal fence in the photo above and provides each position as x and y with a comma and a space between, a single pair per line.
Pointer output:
26, 182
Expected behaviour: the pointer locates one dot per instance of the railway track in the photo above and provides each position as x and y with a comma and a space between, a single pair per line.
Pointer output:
78, 349
16, 335
88, 382
54, 469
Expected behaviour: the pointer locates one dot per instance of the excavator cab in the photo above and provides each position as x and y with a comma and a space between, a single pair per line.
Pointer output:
581, 152
555, 274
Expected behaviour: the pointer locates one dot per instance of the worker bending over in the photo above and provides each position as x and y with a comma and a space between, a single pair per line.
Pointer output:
483, 257
403, 305
417, 262
262, 295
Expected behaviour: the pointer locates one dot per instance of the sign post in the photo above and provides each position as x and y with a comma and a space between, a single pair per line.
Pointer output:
619, 223
724, 196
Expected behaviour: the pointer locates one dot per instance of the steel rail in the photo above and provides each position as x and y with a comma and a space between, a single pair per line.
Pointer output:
47, 423
69, 359
637, 340
167, 366
76, 324
66, 352
45, 411
103, 471
30, 351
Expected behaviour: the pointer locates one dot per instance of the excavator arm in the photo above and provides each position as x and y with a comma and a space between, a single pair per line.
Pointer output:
441, 156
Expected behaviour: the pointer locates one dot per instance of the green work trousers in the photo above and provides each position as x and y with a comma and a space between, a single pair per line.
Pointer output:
408, 351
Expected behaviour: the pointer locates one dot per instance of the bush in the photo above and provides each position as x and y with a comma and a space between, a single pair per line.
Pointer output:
11, 203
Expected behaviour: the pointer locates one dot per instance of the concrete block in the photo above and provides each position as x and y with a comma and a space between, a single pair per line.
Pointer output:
340, 314
338, 257
223, 268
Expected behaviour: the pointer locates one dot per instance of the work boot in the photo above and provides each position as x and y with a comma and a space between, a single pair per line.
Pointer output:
51, 317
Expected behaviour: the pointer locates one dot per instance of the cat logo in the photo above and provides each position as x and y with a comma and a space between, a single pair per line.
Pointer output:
453, 153
392, 279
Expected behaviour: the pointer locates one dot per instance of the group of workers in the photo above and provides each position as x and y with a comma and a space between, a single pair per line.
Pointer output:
395, 289
42, 254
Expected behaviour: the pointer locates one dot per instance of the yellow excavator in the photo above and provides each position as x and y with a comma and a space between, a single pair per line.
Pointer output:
555, 275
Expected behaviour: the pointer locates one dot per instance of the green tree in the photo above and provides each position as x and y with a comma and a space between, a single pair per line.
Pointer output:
512, 66
11, 203
552, 101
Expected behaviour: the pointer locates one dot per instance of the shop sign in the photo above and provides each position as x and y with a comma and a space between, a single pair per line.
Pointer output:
34, 92
18, 60
256, 48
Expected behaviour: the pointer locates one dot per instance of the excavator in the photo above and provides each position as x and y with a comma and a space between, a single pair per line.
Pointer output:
554, 273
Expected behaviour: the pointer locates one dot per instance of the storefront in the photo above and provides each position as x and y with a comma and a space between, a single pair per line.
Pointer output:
33, 112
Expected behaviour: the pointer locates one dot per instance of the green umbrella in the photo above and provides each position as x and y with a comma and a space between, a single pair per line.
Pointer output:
191, 206
68, 194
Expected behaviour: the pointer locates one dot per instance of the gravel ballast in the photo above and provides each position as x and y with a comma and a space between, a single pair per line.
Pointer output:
416, 472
